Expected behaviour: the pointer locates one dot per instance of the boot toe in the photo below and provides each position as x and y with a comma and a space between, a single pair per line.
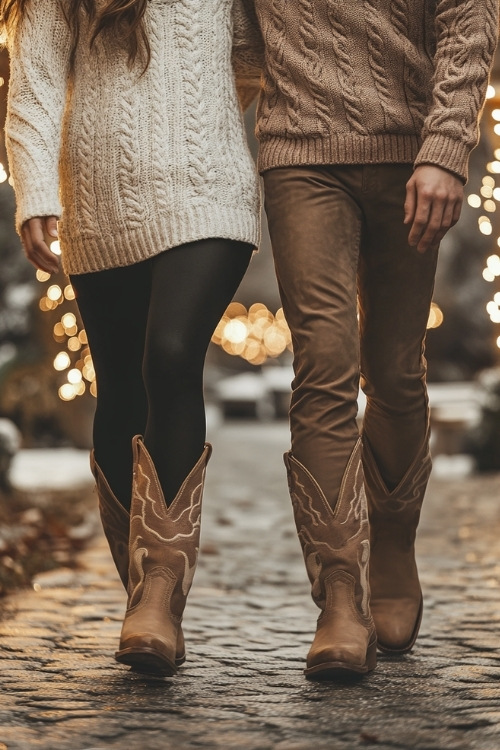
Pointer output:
341, 659
149, 654
340, 653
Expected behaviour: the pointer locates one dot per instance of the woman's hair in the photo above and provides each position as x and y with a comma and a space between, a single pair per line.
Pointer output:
121, 19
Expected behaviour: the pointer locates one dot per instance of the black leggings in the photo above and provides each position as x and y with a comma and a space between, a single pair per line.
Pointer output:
149, 326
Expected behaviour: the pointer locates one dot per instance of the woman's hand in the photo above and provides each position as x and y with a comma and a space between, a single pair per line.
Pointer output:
35, 234
434, 200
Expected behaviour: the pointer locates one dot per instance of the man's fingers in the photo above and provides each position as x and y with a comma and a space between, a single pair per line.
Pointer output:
410, 202
447, 220
446, 223
457, 210
420, 221
430, 237
438, 195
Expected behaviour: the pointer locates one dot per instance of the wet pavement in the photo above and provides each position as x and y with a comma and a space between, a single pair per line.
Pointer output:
248, 625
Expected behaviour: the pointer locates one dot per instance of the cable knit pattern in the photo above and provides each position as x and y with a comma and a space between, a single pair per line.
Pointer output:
313, 64
189, 38
84, 186
378, 61
390, 80
162, 178
400, 20
284, 94
133, 164
345, 70
129, 174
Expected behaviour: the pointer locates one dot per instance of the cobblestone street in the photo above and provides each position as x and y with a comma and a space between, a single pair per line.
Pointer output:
248, 625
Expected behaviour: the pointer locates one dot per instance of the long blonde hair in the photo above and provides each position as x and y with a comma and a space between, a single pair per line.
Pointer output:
121, 19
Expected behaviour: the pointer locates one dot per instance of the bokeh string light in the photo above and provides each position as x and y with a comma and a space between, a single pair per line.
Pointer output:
73, 361
255, 335
486, 201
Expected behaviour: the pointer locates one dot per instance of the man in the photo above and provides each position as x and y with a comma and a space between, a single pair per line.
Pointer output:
367, 115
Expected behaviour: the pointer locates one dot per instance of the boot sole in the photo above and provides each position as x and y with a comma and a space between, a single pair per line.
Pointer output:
338, 670
148, 661
404, 649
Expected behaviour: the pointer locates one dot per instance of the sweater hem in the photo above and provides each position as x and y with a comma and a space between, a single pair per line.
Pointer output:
87, 254
348, 148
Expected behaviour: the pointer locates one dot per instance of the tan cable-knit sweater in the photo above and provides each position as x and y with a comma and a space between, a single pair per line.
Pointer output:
133, 165
369, 81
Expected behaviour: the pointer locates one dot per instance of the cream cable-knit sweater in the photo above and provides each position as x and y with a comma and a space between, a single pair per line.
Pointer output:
133, 165
369, 81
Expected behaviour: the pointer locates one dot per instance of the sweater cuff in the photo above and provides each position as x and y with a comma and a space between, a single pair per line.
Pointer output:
445, 152
36, 203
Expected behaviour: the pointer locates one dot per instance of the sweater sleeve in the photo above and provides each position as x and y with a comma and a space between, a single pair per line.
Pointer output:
248, 51
39, 52
466, 34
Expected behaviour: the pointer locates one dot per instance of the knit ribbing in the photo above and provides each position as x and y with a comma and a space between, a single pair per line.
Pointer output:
390, 80
193, 222
339, 148
140, 163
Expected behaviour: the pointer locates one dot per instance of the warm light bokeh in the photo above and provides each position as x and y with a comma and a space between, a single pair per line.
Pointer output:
254, 334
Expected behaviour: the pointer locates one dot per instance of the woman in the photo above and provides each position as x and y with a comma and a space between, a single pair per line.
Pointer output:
125, 139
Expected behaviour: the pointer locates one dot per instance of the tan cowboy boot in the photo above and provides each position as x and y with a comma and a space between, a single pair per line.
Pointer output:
115, 521
336, 552
396, 596
163, 552
116, 524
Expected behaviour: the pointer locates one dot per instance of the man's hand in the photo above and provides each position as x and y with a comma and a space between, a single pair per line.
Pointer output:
35, 234
433, 204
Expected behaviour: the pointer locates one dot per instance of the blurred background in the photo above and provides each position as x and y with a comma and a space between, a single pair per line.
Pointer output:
47, 387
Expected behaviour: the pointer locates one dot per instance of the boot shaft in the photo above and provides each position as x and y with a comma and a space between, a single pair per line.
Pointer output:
334, 541
164, 541
403, 503
115, 521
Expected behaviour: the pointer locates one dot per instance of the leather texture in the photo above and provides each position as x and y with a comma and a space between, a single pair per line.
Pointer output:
115, 521
116, 525
396, 595
336, 548
163, 552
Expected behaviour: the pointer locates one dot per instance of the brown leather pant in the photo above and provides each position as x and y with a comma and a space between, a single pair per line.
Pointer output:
338, 238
